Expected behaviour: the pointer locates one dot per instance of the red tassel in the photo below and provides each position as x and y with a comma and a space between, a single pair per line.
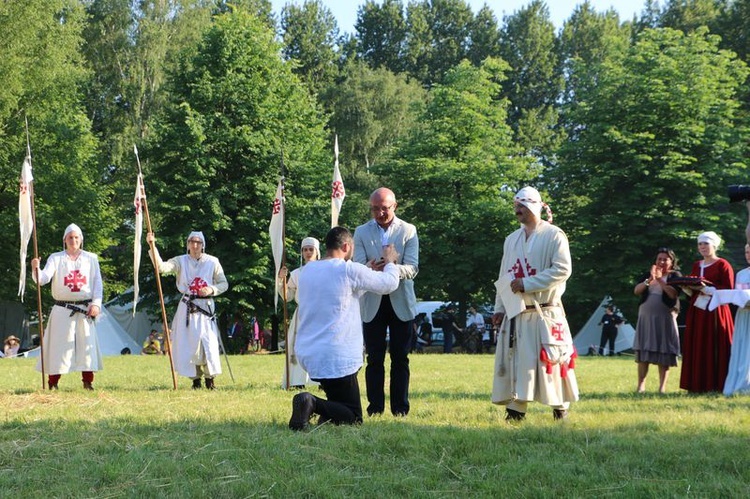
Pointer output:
573, 358
545, 358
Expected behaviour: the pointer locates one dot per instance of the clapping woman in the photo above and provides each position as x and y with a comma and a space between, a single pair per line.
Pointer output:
656, 337
708, 334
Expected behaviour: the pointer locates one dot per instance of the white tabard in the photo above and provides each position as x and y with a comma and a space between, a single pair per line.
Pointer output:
70, 341
524, 372
197, 330
297, 374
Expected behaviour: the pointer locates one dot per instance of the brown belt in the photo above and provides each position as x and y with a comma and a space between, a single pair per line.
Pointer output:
541, 305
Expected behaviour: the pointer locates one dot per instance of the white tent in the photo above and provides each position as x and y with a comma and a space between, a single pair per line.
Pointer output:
137, 326
112, 338
591, 333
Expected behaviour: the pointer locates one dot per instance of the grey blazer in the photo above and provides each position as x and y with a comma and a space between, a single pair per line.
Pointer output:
367, 246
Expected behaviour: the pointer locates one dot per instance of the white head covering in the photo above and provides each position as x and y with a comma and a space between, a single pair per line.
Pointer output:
531, 199
311, 241
711, 238
72, 228
199, 235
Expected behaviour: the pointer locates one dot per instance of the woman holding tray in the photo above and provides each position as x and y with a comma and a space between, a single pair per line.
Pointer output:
656, 338
708, 334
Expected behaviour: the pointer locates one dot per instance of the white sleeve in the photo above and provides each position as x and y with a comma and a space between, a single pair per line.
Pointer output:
366, 279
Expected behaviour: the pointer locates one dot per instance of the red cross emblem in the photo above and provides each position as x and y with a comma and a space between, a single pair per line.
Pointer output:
137, 204
558, 331
74, 281
276, 206
197, 285
517, 270
24, 188
338, 190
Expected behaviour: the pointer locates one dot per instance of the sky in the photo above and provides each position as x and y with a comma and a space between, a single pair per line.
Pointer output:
345, 11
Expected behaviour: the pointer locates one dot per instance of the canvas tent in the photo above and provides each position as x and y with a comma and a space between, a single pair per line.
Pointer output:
112, 338
13, 322
591, 333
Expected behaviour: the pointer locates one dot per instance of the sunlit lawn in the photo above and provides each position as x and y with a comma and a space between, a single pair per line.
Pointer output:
136, 437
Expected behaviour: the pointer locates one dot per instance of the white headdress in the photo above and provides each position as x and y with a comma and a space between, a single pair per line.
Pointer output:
72, 228
531, 199
199, 235
711, 238
311, 241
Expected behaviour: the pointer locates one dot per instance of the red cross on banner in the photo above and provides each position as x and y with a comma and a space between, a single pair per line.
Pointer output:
276, 206
558, 331
197, 285
24, 188
338, 190
75, 281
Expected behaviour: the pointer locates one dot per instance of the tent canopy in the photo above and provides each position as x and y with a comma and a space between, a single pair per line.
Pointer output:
591, 333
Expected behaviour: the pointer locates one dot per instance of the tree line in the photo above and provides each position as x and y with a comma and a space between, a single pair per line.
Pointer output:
631, 128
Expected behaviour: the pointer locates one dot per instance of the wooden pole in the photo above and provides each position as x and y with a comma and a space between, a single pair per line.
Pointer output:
36, 271
152, 246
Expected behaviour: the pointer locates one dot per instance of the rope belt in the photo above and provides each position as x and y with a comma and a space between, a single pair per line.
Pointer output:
194, 308
75, 306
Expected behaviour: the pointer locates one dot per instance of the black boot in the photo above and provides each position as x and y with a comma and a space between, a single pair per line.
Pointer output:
303, 407
87, 385
209, 384
559, 414
197, 384
511, 415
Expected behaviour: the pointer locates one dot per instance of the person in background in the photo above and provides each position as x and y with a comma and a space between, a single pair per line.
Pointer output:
151, 346
657, 340
387, 319
298, 378
451, 330
708, 334
738, 373
70, 340
329, 336
610, 323
11, 345
195, 334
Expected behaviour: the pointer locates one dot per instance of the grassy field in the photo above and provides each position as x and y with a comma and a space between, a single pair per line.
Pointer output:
135, 437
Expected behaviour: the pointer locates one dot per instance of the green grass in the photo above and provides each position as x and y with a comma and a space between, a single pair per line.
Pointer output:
135, 437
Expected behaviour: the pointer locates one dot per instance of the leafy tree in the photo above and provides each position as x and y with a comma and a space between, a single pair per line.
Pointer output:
656, 145
214, 156
454, 178
534, 85
372, 110
381, 33
484, 36
42, 72
438, 37
688, 15
310, 35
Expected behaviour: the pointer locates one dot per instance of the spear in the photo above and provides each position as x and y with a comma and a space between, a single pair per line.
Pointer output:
36, 257
152, 246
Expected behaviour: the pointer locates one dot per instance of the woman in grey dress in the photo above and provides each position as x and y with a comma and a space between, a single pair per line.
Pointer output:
656, 337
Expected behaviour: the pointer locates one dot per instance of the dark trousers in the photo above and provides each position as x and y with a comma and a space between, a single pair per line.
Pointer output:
386, 321
608, 336
343, 405
447, 340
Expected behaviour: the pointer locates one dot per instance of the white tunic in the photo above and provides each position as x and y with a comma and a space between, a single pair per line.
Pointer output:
199, 330
329, 328
297, 374
70, 342
544, 263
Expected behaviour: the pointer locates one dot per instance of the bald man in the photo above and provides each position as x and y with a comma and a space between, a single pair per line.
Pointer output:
392, 313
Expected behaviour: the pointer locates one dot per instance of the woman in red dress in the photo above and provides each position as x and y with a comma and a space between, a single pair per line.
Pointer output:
708, 335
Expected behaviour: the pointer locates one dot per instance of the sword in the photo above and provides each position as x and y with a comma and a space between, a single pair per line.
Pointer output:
226, 357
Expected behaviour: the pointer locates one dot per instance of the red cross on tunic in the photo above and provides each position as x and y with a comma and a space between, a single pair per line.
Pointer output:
197, 285
558, 331
74, 281
338, 190
517, 270
276, 206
